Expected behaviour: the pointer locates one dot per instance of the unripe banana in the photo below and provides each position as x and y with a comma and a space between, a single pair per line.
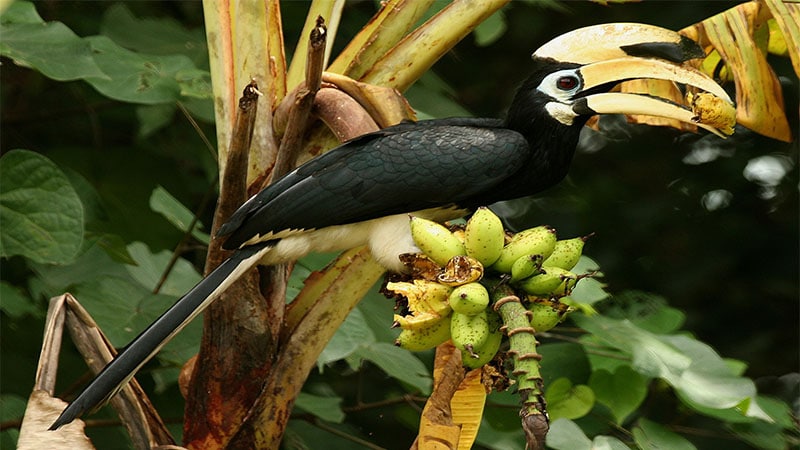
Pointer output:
525, 267
436, 241
534, 241
546, 314
566, 253
484, 353
469, 299
484, 236
552, 281
469, 332
424, 338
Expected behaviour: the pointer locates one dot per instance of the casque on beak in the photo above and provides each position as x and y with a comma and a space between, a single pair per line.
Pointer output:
609, 54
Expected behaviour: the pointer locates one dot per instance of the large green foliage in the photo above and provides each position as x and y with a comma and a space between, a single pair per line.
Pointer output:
112, 175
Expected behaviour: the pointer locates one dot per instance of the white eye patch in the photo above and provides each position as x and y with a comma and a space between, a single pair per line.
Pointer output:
561, 85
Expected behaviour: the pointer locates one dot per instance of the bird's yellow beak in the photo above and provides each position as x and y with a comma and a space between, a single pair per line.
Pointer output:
612, 53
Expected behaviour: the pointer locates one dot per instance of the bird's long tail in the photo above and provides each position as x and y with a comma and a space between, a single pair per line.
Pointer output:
120, 370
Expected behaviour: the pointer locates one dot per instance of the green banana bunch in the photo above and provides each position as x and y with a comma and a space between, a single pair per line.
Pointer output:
419, 339
481, 355
526, 266
469, 299
436, 241
469, 332
449, 295
484, 236
534, 241
551, 281
546, 314
566, 253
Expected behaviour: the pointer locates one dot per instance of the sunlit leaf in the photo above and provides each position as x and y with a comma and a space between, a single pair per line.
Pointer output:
41, 213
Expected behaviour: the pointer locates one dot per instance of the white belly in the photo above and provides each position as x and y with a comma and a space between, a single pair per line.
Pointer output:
387, 238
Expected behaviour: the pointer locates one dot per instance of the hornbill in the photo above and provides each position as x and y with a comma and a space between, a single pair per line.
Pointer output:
363, 191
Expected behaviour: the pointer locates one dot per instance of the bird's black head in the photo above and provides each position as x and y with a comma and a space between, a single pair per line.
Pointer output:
573, 78
575, 73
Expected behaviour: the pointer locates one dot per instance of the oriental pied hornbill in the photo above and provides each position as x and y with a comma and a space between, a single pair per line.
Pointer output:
363, 191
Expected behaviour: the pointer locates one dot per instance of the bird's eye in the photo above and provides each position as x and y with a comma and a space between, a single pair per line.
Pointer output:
567, 83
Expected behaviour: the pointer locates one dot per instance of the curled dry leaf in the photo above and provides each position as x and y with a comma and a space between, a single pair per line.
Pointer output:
42, 410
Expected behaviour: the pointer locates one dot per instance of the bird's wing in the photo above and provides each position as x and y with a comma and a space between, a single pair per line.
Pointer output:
409, 167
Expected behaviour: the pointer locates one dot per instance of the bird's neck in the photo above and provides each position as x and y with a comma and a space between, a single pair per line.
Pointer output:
552, 147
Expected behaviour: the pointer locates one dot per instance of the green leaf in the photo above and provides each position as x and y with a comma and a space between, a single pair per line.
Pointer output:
709, 381
652, 436
589, 290
621, 391
12, 407
122, 308
15, 303
567, 401
115, 247
351, 335
608, 443
150, 268
564, 360
21, 12
41, 213
153, 35
178, 215
135, 77
491, 29
648, 311
153, 118
51, 48
764, 436
398, 363
326, 408
565, 434
651, 356
699, 376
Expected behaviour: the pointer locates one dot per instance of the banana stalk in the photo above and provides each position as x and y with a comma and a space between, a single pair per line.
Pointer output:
523, 343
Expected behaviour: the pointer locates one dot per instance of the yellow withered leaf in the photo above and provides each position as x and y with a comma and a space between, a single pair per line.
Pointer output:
467, 408
759, 97
787, 20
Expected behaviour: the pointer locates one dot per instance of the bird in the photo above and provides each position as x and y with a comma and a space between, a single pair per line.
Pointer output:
364, 191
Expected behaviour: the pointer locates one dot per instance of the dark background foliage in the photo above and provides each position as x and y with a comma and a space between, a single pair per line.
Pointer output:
679, 215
